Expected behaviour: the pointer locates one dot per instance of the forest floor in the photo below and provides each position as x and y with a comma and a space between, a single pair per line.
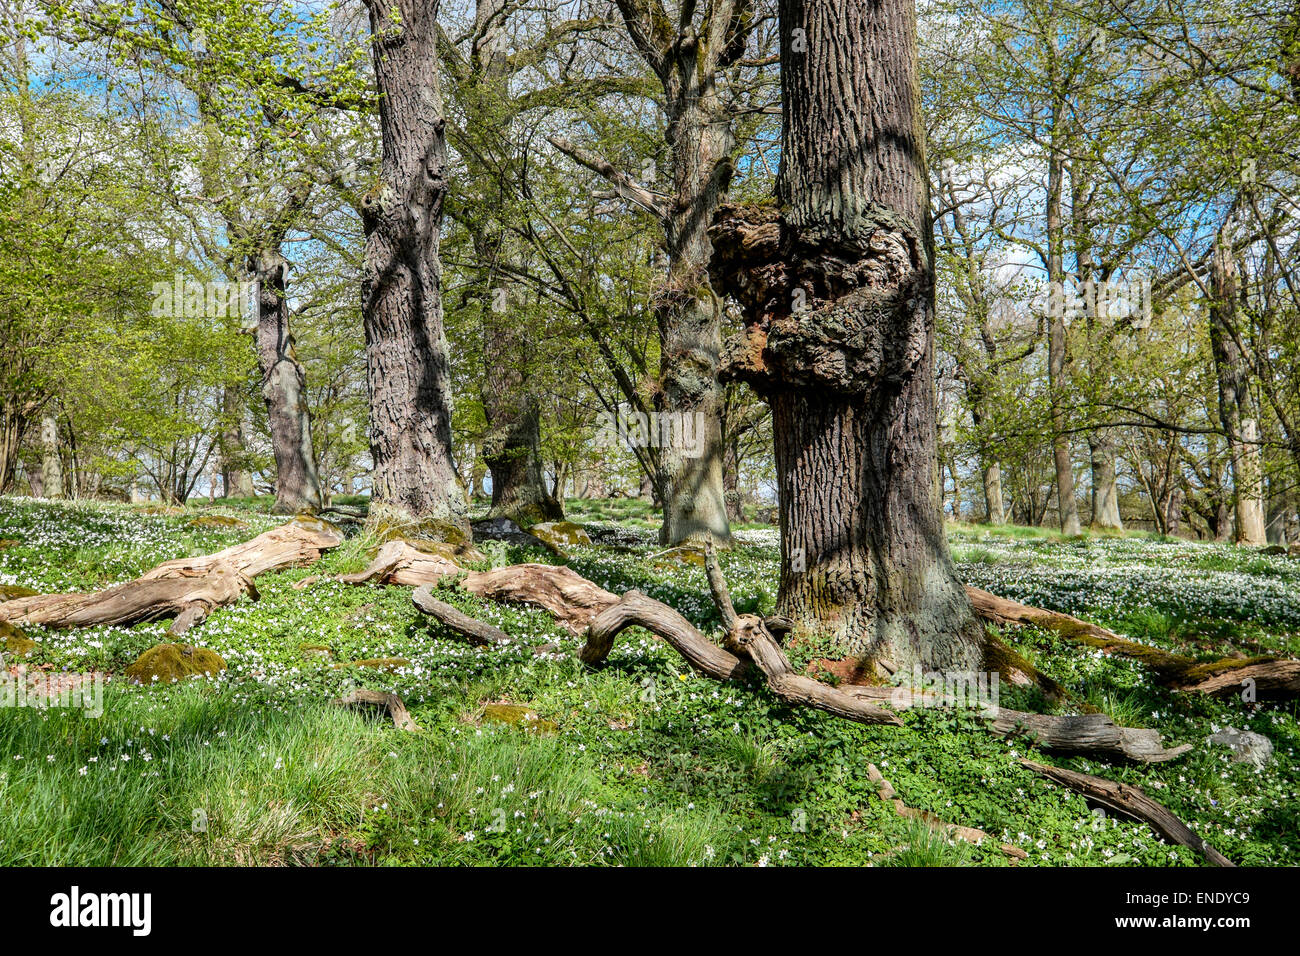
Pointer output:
644, 762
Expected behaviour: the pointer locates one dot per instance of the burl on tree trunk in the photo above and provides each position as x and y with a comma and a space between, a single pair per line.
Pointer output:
836, 283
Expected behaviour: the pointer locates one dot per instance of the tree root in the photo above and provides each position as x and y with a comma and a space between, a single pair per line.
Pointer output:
187, 589
748, 643
1134, 804
1267, 676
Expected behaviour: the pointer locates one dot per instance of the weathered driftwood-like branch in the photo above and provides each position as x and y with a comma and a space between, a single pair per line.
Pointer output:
569, 597
187, 598
1133, 803
188, 589
393, 704
476, 631
1271, 677
950, 830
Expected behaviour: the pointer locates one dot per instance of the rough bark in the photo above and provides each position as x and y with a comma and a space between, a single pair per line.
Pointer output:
407, 371
837, 286
1237, 407
284, 389
994, 510
512, 445
51, 463
689, 60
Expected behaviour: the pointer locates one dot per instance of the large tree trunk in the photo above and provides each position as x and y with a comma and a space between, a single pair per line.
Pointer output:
512, 446
689, 315
512, 451
284, 388
1237, 409
837, 282
407, 372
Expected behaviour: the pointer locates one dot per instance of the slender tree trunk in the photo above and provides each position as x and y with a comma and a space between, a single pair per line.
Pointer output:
1237, 409
11, 433
284, 388
407, 373
1056, 345
735, 498
838, 286
1068, 507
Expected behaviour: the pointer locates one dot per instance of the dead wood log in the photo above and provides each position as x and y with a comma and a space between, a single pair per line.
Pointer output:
297, 543
144, 599
569, 597
391, 703
1267, 676
1131, 802
951, 830
1096, 735
188, 589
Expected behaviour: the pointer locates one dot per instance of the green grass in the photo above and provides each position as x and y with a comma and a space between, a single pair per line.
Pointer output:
651, 763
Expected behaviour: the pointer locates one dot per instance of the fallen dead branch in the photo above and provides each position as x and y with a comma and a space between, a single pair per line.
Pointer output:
187, 589
951, 830
1270, 676
1134, 804
391, 703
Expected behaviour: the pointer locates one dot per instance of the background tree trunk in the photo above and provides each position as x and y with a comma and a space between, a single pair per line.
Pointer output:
1067, 506
994, 512
236, 482
11, 433
51, 463
838, 287
407, 371
284, 388
1105, 482
1237, 409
